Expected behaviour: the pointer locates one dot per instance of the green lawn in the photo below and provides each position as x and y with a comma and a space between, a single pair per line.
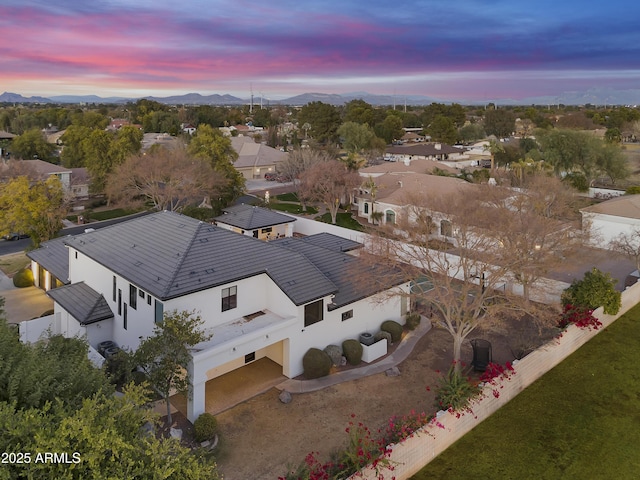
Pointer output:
109, 214
287, 197
580, 420
292, 208
345, 220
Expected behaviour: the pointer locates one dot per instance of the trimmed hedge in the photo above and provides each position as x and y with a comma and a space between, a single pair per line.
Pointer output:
382, 334
394, 328
24, 278
352, 351
205, 427
316, 363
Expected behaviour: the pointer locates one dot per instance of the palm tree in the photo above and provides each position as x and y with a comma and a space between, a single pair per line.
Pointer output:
494, 147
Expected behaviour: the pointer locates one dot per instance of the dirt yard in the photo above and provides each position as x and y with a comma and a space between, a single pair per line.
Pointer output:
262, 437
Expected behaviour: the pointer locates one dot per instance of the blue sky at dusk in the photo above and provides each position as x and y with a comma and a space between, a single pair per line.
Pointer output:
446, 49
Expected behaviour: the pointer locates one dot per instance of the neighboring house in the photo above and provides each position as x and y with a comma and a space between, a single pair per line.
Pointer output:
50, 264
258, 299
188, 128
609, 219
414, 166
256, 222
428, 151
255, 159
45, 169
395, 193
412, 137
80, 182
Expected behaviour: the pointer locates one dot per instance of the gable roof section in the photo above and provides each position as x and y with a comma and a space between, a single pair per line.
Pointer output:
83, 302
350, 274
53, 256
170, 255
252, 154
425, 150
627, 206
249, 217
332, 242
400, 188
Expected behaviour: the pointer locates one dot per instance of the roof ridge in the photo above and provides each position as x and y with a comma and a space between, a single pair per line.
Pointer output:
182, 259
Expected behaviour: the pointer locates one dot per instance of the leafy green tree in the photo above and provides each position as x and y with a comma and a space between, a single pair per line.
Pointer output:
36, 209
499, 122
165, 355
128, 142
97, 149
32, 144
209, 144
596, 289
90, 119
359, 111
611, 161
442, 129
613, 135
73, 154
323, 120
356, 137
391, 128
471, 132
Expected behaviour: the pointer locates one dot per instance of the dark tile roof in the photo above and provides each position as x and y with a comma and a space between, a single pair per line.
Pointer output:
170, 255
350, 274
82, 302
332, 242
249, 217
53, 256
426, 150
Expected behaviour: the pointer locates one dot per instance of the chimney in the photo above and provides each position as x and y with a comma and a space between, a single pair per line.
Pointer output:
438, 146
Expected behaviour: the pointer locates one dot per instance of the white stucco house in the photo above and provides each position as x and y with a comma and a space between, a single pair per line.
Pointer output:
256, 222
610, 218
258, 299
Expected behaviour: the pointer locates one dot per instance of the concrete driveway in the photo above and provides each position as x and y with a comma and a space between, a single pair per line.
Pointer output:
22, 304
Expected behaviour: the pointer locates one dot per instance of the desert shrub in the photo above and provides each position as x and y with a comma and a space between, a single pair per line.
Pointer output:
454, 390
596, 289
335, 353
382, 334
412, 320
394, 328
633, 190
316, 363
24, 278
352, 351
205, 427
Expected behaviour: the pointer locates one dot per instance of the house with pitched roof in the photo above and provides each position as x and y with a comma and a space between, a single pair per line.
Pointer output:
611, 218
427, 151
255, 159
273, 300
256, 222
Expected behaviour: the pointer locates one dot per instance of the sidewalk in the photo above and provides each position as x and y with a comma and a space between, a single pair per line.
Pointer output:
400, 354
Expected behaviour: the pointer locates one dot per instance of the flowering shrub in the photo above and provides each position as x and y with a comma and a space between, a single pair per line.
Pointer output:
399, 428
363, 449
579, 316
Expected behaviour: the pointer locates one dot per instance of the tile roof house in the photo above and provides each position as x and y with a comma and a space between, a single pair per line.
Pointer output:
258, 299
427, 151
255, 159
610, 218
256, 222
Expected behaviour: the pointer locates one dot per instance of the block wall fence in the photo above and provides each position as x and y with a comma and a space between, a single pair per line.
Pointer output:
409, 456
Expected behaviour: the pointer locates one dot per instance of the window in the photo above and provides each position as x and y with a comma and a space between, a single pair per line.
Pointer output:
114, 288
267, 230
133, 297
141, 294
347, 315
124, 317
249, 357
313, 313
366, 208
148, 299
159, 312
119, 302
390, 217
229, 298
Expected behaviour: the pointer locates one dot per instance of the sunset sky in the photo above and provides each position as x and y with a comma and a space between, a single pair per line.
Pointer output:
447, 49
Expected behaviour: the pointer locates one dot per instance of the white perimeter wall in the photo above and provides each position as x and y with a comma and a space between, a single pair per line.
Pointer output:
605, 228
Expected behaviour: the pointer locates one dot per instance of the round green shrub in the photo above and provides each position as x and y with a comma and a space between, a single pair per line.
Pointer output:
394, 328
412, 320
316, 363
205, 427
352, 351
382, 334
24, 278
335, 353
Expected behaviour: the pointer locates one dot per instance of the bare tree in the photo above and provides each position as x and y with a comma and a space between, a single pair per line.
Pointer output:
170, 179
469, 261
329, 183
628, 244
296, 163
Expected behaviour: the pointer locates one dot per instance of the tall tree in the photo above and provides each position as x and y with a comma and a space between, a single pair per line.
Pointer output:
356, 137
442, 129
499, 122
36, 209
209, 144
359, 111
32, 144
323, 119
170, 178
165, 355
329, 183
297, 162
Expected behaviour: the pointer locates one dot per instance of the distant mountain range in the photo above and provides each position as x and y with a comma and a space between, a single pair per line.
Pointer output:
594, 96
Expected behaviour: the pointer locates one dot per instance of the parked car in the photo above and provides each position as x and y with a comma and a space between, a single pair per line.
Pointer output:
15, 236
271, 176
